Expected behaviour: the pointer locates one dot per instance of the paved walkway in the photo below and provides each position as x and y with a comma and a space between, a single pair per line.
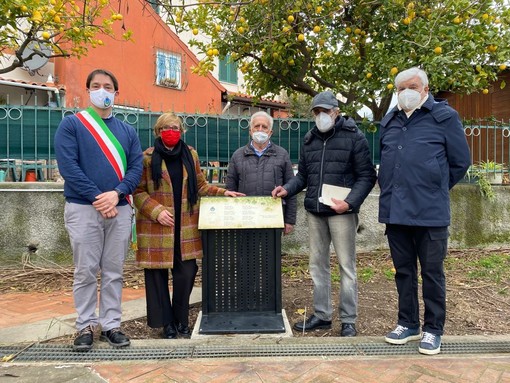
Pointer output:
32, 317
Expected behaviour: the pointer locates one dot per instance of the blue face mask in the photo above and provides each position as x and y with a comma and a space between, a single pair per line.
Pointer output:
102, 98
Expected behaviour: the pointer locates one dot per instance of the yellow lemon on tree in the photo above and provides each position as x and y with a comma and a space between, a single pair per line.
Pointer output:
389, 86
316, 29
438, 50
485, 91
290, 19
195, 31
46, 35
37, 16
369, 75
217, 27
301, 37
394, 71
502, 67
348, 29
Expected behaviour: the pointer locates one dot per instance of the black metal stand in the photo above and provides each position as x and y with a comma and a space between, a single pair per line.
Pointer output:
241, 281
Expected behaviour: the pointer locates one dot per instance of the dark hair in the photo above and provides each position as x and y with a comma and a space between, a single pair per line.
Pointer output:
106, 73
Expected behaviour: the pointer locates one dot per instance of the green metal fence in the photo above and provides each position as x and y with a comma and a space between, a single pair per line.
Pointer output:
27, 132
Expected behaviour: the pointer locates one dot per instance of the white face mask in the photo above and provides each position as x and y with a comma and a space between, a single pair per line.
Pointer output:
409, 99
102, 98
324, 122
260, 137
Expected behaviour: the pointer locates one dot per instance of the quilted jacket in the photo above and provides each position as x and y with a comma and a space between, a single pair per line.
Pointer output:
339, 157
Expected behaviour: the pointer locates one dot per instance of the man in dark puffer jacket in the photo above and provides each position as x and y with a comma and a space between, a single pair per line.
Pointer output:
257, 168
334, 152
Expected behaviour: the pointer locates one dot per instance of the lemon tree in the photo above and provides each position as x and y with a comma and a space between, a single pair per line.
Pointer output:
353, 47
66, 27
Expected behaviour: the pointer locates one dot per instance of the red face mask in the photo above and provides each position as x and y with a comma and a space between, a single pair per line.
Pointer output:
170, 137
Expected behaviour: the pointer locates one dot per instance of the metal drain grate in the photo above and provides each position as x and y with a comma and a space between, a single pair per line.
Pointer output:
65, 353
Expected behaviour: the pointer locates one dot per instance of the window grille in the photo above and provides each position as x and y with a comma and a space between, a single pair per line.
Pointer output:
168, 70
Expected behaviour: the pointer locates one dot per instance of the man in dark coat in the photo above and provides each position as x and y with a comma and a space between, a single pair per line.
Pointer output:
255, 169
335, 153
424, 153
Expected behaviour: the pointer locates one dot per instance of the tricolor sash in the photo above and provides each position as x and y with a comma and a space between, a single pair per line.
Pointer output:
108, 143
111, 148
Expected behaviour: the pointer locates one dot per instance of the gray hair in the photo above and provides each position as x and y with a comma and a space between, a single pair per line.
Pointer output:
409, 74
262, 114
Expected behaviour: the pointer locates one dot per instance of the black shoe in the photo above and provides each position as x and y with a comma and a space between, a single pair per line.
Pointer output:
183, 330
348, 329
312, 323
84, 340
115, 337
169, 332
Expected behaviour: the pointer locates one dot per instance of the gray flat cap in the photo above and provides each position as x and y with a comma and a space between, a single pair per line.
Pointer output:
326, 100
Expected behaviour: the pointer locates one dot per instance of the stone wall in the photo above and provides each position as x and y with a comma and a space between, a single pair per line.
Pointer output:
32, 224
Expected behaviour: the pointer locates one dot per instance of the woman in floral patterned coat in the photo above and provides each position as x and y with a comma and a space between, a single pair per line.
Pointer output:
167, 225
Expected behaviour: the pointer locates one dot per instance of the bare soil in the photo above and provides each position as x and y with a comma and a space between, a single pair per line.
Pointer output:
478, 292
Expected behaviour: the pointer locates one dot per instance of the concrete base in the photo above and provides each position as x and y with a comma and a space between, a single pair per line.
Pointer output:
287, 334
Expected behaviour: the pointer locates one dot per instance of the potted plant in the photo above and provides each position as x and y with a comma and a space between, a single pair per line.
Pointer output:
485, 174
492, 171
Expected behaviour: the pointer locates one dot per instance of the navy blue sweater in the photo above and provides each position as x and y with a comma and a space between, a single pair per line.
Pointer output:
83, 165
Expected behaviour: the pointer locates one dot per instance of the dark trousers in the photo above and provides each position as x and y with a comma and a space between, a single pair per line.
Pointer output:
408, 244
160, 309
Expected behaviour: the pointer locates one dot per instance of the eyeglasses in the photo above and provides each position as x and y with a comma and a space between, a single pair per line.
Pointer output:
172, 127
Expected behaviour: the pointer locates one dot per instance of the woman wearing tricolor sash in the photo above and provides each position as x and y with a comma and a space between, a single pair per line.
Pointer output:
100, 159
167, 225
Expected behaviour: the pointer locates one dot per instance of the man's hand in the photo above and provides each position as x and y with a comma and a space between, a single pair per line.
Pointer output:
106, 202
340, 206
111, 214
288, 229
165, 218
230, 193
279, 191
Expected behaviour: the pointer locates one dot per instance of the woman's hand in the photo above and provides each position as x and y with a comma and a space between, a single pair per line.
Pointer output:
230, 193
165, 218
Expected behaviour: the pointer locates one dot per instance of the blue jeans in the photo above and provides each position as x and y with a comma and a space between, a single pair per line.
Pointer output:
341, 230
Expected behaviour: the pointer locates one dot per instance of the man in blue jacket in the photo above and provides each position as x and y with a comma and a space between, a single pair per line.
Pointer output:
424, 153
100, 159
335, 153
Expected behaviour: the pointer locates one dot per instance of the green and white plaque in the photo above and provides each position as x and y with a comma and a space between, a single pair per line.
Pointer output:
240, 213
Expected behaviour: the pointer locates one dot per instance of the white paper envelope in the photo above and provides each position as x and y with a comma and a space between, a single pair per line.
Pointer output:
331, 191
